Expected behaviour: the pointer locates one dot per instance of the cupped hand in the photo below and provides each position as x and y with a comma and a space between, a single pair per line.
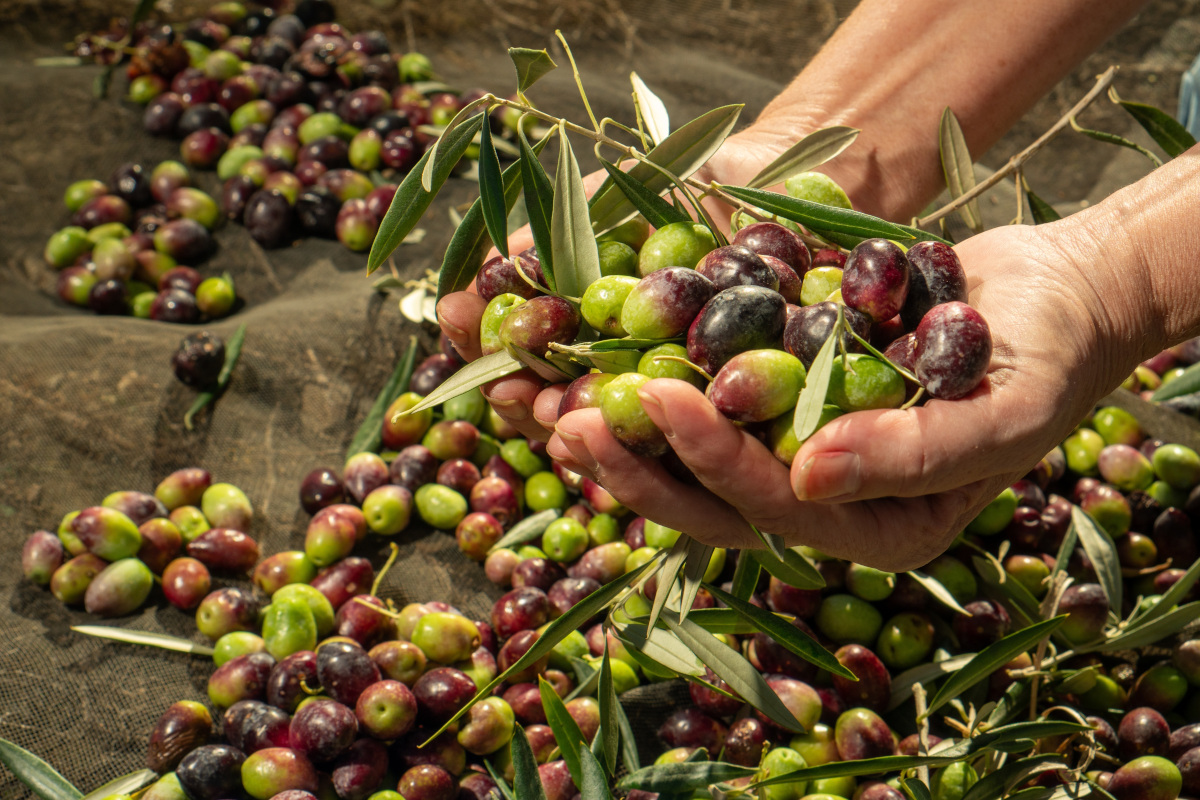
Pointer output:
889, 488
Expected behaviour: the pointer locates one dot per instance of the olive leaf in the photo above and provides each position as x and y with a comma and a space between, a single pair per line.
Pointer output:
958, 167
575, 259
593, 783
652, 109
527, 782
555, 370
1166, 131
1042, 211
159, 640
1022, 605
733, 668
1186, 383
527, 529
689, 776
126, 784
990, 659
629, 751
1170, 598
658, 212
610, 345
745, 575
539, 202
1001, 782
667, 576
725, 620
825, 220
369, 435
1120, 141
659, 647
608, 737
940, 592
531, 65
1151, 630
784, 633
436, 157
915, 788
566, 730
412, 198
924, 674
681, 154
233, 352
813, 150
811, 401
844, 769
694, 567
492, 192
480, 371
793, 569
41, 778
554, 633
501, 784
1102, 551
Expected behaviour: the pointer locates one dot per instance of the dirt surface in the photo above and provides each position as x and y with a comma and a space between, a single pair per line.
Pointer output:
89, 406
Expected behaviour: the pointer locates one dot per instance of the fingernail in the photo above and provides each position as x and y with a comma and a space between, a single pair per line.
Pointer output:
657, 412
453, 332
511, 410
579, 449
828, 476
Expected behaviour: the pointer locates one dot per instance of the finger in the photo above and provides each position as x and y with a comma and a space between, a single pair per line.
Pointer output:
907, 453
513, 397
459, 315
545, 407
645, 486
561, 454
728, 461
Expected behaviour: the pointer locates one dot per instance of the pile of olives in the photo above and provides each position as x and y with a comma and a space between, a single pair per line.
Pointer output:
108, 557
129, 240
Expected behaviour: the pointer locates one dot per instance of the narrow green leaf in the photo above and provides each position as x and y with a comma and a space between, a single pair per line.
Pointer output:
1170, 598
1120, 141
575, 257
556, 370
616, 345
794, 569
527, 783
1042, 211
923, 674
477, 373
658, 212
491, 192
990, 659
1170, 135
531, 65
1152, 631
851, 769
958, 167
369, 435
566, 731
1008, 734
652, 108
666, 577
812, 151
1001, 782
586, 678
725, 620
41, 778
784, 633
1103, 554
811, 401
539, 202
412, 199
681, 154
694, 566
658, 647
592, 784
819, 218
1013, 703
731, 667
935, 588
126, 784
609, 735
554, 633
1022, 605
684, 777
527, 529
233, 352
745, 575
501, 784
438, 154
629, 751
915, 789
1070, 540
1187, 383
159, 640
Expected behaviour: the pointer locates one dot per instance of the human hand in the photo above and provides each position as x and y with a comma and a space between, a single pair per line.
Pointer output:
889, 488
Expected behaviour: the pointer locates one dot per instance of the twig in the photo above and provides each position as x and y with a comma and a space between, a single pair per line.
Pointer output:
1102, 82
923, 728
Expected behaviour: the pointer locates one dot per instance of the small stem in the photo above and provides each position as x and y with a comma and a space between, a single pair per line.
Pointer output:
923, 728
637, 110
363, 601
1102, 83
881, 356
685, 362
916, 398
391, 559
1018, 176
578, 80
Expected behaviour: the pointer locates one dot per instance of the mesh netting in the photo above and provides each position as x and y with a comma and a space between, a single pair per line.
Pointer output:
88, 404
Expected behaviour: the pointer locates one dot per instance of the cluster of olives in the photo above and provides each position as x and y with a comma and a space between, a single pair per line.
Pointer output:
746, 321
294, 113
1159, 370
108, 557
125, 249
